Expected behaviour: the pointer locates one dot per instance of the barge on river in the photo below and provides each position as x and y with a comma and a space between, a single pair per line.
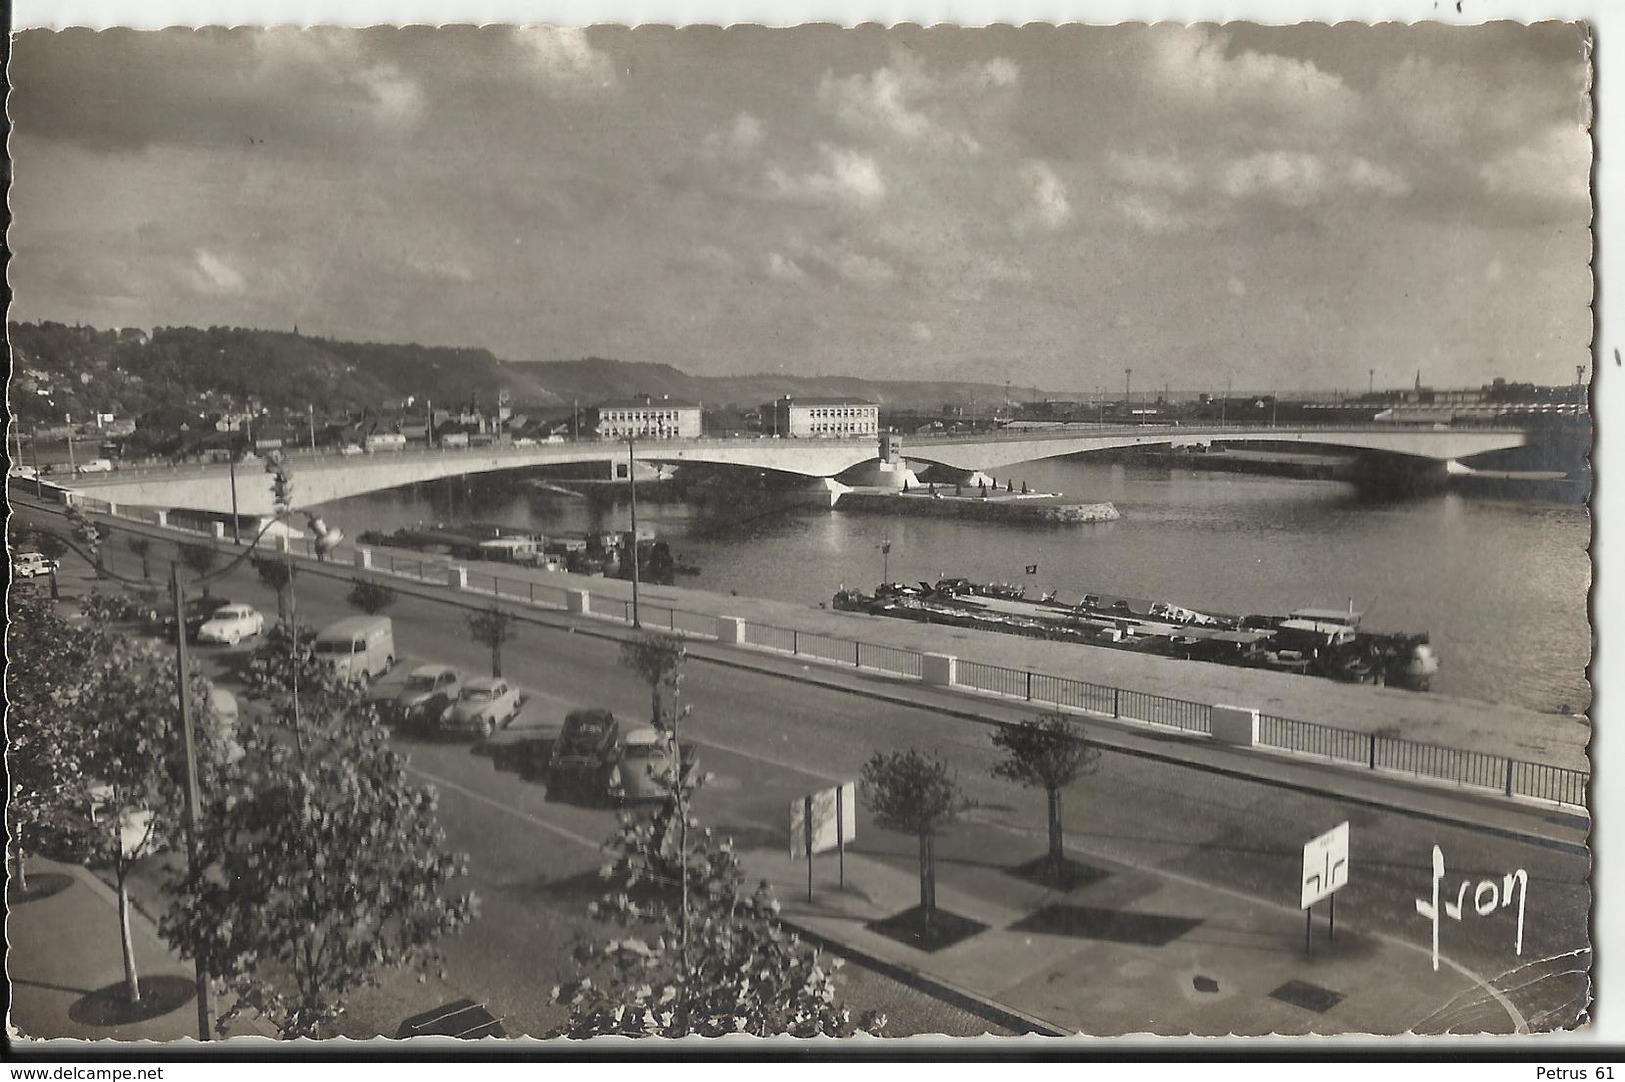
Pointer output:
603, 553
1316, 642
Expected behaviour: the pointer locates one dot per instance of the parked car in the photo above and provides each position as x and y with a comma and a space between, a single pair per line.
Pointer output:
429, 692
95, 465
358, 647
585, 754
647, 766
198, 612
484, 705
25, 565
232, 624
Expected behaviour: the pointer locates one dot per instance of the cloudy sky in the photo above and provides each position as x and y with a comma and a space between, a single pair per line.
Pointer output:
1276, 207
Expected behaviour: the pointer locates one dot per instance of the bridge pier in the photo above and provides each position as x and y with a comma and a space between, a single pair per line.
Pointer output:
1386, 474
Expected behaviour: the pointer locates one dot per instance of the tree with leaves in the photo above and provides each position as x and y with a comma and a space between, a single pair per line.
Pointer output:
42, 759
199, 559
278, 574
142, 548
1049, 753
917, 794
702, 954
492, 628
658, 660
113, 791
322, 863
371, 597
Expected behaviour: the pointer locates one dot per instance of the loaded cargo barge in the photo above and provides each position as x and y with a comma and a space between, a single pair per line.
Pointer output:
1327, 643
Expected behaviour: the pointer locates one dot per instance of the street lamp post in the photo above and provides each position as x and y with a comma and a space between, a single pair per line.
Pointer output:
1370, 382
236, 529
885, 560
632, 486
198, 975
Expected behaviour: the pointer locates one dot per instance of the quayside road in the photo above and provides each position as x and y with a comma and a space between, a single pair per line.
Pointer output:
1218, 849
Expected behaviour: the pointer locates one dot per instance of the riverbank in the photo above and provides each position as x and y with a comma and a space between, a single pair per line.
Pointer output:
1425, 717
994, 507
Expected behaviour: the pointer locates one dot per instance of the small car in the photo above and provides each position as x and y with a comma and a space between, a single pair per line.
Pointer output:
429, 691
232, 624
95, 465
647, 767
485, 704
585, 754
25, 565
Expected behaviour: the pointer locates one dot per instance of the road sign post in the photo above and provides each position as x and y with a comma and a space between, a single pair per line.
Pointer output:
820, 822
1325, 870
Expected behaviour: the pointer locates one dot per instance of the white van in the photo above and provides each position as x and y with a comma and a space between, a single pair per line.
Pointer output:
359, 647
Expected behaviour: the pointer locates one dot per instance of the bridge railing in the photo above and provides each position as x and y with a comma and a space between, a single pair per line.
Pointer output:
1482, 771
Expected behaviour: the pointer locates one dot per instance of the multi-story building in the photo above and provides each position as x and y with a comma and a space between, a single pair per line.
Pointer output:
824, 417
643, 416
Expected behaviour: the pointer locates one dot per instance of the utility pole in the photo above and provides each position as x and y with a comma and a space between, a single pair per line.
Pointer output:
310, 411
199, 977
632, 485
33, 442
1371, 382
71, 467
1128, 397
236, 530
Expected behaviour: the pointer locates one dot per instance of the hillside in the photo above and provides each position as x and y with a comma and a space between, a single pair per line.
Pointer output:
83, 370
59, 371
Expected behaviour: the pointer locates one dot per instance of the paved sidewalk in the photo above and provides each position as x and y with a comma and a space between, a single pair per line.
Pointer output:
1143, 954
66, 966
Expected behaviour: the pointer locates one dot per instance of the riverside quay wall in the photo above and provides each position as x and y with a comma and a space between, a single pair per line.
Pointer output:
1538, 754
1043, 510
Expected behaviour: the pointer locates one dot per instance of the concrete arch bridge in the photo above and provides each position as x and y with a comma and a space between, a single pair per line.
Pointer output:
322, 478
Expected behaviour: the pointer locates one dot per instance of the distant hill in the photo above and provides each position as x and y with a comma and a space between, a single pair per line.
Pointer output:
60, 370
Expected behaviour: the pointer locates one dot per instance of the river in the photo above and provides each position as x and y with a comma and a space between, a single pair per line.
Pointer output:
1501, 586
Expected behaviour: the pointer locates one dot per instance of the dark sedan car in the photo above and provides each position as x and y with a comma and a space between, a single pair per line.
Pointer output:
585, 755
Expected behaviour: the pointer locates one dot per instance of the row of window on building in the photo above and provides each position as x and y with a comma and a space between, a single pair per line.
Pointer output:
647, 417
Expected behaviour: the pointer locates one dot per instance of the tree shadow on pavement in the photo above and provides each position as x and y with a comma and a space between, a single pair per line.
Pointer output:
111, 1006
40, 885
911, 928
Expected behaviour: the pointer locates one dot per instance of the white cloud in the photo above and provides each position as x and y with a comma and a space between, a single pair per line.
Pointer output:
1160, 171
1192, 65
1047, 205
1494, 271
849, 176
1369, 176
905, 101
1293, 177
920, 332
392, 94
1556, 165
784, 268
1151, 211
1236, 287
744, 136
563, 56
211, 274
